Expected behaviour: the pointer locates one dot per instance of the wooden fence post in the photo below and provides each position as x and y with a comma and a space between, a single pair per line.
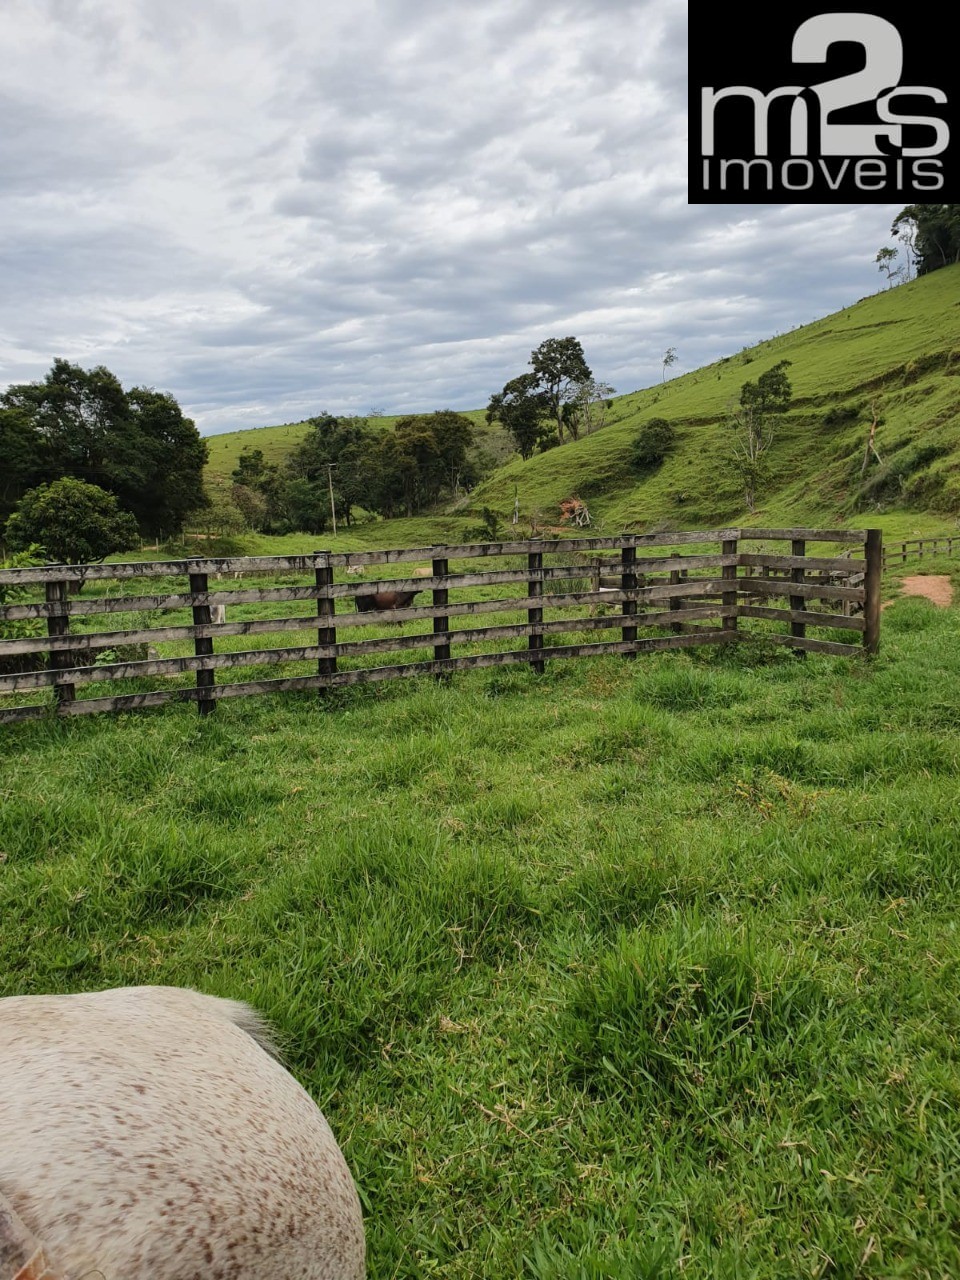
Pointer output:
628, 582
871, 583
676, 602
58, 624
534, 615
798, 630
326, 608
729, 574
441, 596
202, 647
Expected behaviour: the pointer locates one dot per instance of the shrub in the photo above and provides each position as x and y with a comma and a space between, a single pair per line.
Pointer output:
648, 450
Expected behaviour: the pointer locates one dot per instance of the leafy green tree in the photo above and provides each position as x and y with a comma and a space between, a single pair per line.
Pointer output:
136, 445
172, 458
560, 366
669, 359
650, 448
761, 403
306, 505
25, 459
74, 522
586, 410
885, 259
936, 234
250, 468
345, 444
520, 407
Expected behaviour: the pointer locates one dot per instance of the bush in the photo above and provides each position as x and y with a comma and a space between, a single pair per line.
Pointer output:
648, 450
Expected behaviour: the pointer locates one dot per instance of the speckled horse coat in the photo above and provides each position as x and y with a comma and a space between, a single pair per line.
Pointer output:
147, 1134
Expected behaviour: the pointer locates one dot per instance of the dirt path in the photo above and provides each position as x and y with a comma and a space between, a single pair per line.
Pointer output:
935, 587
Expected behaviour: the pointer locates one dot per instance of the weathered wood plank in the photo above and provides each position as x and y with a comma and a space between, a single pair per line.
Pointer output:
542, 546
142, 604
811, 617
808, 535
12, 715
809, 590
127, 569
154, 635
818, 646
835, 564
167, 666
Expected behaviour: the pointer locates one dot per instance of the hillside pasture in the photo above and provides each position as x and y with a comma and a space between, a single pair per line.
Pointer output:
627, 970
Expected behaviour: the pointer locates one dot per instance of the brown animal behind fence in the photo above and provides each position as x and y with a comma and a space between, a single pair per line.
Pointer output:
671, 582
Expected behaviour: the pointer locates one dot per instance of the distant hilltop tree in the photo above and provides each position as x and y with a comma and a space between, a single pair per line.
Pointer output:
932, 232
560, 398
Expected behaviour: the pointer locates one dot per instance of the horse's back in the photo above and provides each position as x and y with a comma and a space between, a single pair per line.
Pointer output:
148, 1132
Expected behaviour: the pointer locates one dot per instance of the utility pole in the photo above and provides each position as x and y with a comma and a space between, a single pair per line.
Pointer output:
333, 505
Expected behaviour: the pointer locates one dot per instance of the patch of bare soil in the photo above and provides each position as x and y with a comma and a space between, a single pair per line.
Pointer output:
935, 587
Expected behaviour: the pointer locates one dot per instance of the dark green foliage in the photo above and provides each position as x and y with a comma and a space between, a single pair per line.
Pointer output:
171, 460
81, 424
345, 444
889, 481
74, 523
936, 232
422, 457
520, 407
841, 414
25, 459
760, 403
657, 439
560, 367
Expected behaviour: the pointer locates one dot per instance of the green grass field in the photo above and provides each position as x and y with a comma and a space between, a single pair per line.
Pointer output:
635, 969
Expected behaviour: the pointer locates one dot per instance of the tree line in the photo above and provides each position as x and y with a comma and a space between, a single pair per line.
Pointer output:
398, 472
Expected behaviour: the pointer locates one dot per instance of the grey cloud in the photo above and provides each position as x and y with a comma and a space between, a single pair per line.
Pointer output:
361, 203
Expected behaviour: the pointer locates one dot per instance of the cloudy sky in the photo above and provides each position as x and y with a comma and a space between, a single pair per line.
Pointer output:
270, 209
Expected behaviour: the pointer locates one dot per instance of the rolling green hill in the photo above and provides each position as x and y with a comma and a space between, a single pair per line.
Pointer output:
897, 351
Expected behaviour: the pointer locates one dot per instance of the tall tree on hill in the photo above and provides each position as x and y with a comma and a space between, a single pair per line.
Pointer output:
937, 234
520, 407
761, 402
560, 366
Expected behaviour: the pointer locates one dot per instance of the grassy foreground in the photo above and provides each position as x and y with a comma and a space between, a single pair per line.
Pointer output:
631, 970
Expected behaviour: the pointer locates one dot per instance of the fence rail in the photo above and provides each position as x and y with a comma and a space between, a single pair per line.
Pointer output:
913, 548
670, 582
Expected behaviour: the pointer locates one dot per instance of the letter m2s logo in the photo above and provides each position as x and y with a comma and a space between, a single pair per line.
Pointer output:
802, 104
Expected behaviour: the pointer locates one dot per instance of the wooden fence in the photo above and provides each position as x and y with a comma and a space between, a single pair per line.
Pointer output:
895, 553
684, 588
